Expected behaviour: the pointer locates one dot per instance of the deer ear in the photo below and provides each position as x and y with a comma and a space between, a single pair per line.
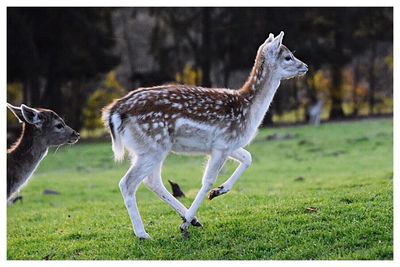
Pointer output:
31, 115
272, 47
17, 112
280, 37
269, 39
276, 43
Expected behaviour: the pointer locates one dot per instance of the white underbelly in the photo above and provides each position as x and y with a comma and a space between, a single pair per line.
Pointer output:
190, 137
187, 146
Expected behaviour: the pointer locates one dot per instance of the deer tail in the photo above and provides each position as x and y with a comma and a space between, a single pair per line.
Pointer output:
113, 122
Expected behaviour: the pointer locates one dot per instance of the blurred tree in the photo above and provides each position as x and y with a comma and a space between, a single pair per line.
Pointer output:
374, 27
110, 90
182, 36
189, 76
206, 52
234, 34
56, 52
48, 47
355, 82
365, 27
14, 97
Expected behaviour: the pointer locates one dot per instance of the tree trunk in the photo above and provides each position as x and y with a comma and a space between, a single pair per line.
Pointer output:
336, 111
356, 79
53, 95
125, 15
206, 48
78, 99
25, 93
31, 93
312, 96
34, 93
227, 75
338, 62
371, 80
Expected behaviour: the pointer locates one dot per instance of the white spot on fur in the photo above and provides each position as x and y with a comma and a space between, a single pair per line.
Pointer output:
176, 105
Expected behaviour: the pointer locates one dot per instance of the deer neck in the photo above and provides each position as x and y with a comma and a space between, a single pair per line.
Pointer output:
259, 90
29, 143
25, 155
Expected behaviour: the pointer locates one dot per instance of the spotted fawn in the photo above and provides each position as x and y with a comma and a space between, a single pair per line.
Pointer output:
152, 122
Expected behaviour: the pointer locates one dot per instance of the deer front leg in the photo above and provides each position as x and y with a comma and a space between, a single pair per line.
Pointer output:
244, 158
214, 165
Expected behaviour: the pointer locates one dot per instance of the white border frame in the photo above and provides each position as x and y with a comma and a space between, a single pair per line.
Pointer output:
396, 148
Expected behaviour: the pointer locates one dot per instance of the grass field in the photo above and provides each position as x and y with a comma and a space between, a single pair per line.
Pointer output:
347, 176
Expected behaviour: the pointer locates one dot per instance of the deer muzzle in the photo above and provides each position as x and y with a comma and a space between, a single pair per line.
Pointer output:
74, 137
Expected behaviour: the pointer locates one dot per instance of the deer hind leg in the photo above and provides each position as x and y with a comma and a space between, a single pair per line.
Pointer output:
244, 158
214, 166
142, 166
155, 184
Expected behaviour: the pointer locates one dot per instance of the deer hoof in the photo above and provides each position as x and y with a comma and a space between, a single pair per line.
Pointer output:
196, 222
184, 231
215, 192
144, 236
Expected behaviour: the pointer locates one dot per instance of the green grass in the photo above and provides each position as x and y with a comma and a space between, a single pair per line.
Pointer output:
348, 176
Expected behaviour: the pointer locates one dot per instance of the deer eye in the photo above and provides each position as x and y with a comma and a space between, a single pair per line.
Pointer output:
288, 58
59, 126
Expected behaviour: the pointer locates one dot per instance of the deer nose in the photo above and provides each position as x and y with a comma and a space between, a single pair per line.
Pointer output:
75, 133
304, 67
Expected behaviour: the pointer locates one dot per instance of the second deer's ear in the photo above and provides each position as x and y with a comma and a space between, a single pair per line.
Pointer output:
31, 115
17, 112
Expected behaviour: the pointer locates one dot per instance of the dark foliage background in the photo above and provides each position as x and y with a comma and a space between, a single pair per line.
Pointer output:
74, 60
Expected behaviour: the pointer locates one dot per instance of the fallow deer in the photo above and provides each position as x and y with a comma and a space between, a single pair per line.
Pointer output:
315, 111
152, 122
41, 129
